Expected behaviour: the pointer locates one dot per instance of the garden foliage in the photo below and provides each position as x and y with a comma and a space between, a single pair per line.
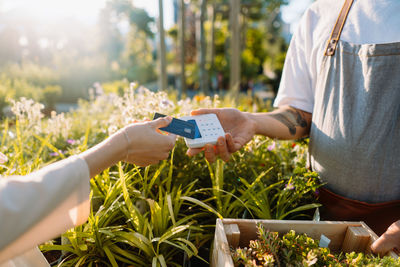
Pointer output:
162, 215
293, 249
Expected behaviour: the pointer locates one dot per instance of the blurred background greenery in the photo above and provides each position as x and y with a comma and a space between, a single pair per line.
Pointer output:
56, 51
93, 56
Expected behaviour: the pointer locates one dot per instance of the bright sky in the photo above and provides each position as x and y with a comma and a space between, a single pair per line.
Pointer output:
292, 13
52, 9
87, 10
84, 10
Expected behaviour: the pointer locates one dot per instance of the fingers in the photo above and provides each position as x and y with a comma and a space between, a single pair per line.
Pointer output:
223, 149
381, 246
193, 151
209, 153
204, 111
172, 141
388, 241
161, 122
230, 143
163, 142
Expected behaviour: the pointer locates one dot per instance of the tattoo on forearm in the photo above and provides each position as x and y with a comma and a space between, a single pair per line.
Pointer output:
291, 118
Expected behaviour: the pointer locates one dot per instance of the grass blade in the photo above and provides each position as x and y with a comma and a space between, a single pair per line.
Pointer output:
202, 204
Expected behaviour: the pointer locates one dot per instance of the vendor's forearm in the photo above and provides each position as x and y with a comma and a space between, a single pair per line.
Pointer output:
283, 123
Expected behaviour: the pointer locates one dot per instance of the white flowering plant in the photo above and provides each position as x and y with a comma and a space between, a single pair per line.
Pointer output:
160, 215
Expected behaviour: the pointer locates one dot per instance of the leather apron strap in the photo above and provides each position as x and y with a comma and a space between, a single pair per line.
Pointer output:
337, 30
334, 39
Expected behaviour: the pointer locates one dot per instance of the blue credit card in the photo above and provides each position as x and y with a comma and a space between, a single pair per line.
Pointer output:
179, 127
196, 130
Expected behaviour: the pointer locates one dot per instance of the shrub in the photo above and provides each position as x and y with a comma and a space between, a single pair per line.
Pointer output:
163, 214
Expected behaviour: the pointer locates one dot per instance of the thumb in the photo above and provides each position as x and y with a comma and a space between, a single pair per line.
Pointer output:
381, 246
161, 122
204, 111
389, 240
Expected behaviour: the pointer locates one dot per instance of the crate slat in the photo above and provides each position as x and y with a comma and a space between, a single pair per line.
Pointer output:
356, 239
221, 254
241, 231
232, 233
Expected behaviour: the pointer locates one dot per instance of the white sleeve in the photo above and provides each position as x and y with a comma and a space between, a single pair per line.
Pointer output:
296, 84
42, 205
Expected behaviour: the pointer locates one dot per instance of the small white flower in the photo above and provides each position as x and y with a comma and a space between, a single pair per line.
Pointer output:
58, 125
217, 101
112, 129
133, 86
11, 134
3, 158
28, 113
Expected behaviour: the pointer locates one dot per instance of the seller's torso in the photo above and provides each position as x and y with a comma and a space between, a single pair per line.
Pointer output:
355, 133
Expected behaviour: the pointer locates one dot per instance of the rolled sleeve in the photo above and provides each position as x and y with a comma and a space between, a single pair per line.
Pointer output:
42, 205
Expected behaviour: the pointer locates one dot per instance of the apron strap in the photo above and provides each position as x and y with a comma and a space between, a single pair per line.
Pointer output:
337, 30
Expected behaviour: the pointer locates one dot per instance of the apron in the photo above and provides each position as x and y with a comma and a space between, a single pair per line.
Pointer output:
355, 131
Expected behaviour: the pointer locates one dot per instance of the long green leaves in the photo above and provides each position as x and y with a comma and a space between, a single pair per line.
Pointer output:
122, 231
165, 213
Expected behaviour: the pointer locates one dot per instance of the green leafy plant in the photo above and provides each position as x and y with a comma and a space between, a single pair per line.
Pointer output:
163, 214
293, 249
134, 224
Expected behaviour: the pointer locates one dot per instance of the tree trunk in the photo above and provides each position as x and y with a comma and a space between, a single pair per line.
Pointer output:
201, 45
162, 50
243, 32
235, 47
181, 34
213, 9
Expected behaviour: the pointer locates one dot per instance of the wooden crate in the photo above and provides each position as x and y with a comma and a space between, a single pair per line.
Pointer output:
344, 236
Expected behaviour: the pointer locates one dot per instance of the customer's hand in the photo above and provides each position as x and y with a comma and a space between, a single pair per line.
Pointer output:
239, 130
138, 143
390, 240
146, 144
